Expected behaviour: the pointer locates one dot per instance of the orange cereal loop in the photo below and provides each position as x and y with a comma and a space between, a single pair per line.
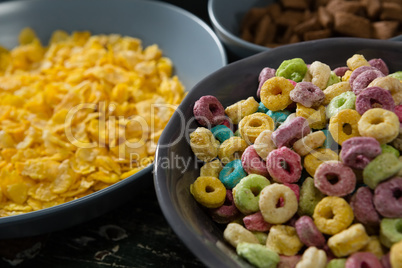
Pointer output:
208, 191
275, 93
356, 61
241, 109
252, 125
315, 117
344, 125
315, 158
232, 149
335, 90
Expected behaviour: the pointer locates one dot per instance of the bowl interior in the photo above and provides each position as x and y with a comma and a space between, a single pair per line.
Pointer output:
176, 167
189, 42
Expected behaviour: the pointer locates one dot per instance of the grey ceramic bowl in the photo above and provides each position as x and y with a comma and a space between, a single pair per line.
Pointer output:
189, 42
175, 165
226, 16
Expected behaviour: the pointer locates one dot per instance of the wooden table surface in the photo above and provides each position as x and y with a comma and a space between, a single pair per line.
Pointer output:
135, 234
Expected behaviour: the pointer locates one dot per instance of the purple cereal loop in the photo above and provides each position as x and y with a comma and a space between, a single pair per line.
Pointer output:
208, 111
227, 212
307, 94
364, 79
387, 198
380, 65
374, 96
284, 165
287, 134
340, 71
265, 74
357, 152
308, 232
252, 163
363, 207
345, 179
359, 71
385, 261
363, 259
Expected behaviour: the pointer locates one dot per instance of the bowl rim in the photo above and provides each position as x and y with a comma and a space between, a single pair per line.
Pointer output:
186, 234
140, 179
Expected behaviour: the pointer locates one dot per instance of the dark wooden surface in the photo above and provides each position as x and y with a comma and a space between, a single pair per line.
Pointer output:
135, 234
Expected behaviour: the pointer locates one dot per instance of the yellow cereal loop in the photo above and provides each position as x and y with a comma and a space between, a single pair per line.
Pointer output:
283, 240
211, 169
203, 144
309, 143
252, 125
313, 257
332, 215
374, 246
392, 84
356, 61
315, 117
334, 90
396, 255
315, 158
241, 109
232, 149
235, 233
208, 191
349, 241
378, 123
344, 125
346, 76
275, 93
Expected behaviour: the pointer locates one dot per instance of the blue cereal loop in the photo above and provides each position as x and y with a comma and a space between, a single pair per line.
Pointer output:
221, 132
262, 108
232, 173
278, 116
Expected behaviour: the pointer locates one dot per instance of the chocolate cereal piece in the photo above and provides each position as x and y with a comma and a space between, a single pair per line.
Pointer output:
319, 34
385, 29
352, 25
391, 11
297, 4
344, 6
309, 25
373, 7
265, 31
324, 17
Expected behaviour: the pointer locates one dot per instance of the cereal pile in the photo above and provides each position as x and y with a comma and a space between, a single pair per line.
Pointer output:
78, 115
291, 21
310, 176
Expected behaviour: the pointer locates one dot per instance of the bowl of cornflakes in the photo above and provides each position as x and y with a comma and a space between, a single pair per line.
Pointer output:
188, 191
86, 89
250, 27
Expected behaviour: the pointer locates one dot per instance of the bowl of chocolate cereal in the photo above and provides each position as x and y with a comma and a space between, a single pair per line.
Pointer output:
250, 27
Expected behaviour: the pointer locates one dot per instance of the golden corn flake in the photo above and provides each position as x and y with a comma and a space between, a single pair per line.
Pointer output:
78, 115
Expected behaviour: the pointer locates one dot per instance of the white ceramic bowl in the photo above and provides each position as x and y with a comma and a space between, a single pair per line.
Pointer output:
189, 42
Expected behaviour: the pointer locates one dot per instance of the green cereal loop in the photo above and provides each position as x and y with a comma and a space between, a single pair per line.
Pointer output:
294, 69
346, 100
258, 255
381, 168
246, 194
309, 197
385, 148
397, 75
261, 236
333, 79
390, 231
336, 263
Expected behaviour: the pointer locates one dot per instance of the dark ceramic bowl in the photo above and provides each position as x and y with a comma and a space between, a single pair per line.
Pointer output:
226, 16
189, 42
175, 165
